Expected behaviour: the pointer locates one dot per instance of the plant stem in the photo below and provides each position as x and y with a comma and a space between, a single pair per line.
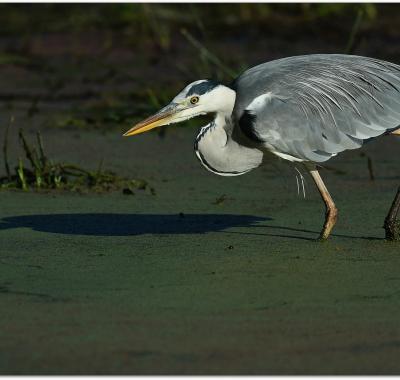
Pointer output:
98, 173
356, 26
21, 175
5, 149
74, 168
206, 53
43, 158
29, 153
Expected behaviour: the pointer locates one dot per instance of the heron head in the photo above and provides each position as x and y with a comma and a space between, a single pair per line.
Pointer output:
198, 98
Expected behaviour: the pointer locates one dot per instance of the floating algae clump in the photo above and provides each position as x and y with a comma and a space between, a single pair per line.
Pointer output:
44, 174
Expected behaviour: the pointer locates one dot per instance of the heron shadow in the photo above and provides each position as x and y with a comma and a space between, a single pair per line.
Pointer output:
111, 224
314, 232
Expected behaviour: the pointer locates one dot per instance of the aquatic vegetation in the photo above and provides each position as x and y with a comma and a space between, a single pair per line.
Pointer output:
45, 174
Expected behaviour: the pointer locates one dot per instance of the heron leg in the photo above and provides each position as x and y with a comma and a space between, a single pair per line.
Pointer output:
392, 225
331, 210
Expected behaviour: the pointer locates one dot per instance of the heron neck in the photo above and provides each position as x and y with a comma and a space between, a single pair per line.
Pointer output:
214, 145
222, 100
222, 155
222, 120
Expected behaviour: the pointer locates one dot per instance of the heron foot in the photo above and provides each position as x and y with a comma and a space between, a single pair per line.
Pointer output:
392, 225
392, 230
330, 221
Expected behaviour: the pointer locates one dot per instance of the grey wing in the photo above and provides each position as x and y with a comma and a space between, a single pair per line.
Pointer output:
313, 107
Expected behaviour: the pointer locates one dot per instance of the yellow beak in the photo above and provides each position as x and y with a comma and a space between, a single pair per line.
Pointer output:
163, 117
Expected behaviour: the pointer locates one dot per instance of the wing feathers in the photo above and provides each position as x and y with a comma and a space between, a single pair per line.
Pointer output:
331, 103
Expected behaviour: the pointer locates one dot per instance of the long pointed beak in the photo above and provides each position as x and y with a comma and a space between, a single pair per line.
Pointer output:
163, 117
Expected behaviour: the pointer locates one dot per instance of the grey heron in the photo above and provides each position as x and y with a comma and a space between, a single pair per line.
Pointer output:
304, 109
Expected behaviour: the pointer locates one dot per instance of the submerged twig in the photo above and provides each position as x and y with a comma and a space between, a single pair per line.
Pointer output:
221, 199
370, 169
369, 165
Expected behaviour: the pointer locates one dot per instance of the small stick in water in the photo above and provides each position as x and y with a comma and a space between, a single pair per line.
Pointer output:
370, 169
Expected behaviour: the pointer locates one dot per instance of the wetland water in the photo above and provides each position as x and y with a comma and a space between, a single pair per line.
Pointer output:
210, 275
178, 282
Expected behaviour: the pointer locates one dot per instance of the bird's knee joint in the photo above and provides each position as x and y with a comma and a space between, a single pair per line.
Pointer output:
392, 230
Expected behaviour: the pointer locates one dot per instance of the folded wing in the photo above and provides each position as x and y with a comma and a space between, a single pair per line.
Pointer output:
312, 107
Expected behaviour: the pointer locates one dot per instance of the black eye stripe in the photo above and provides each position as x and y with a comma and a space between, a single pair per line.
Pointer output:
202, 88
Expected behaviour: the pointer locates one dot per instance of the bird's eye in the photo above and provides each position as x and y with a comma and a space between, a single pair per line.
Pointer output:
194, 99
